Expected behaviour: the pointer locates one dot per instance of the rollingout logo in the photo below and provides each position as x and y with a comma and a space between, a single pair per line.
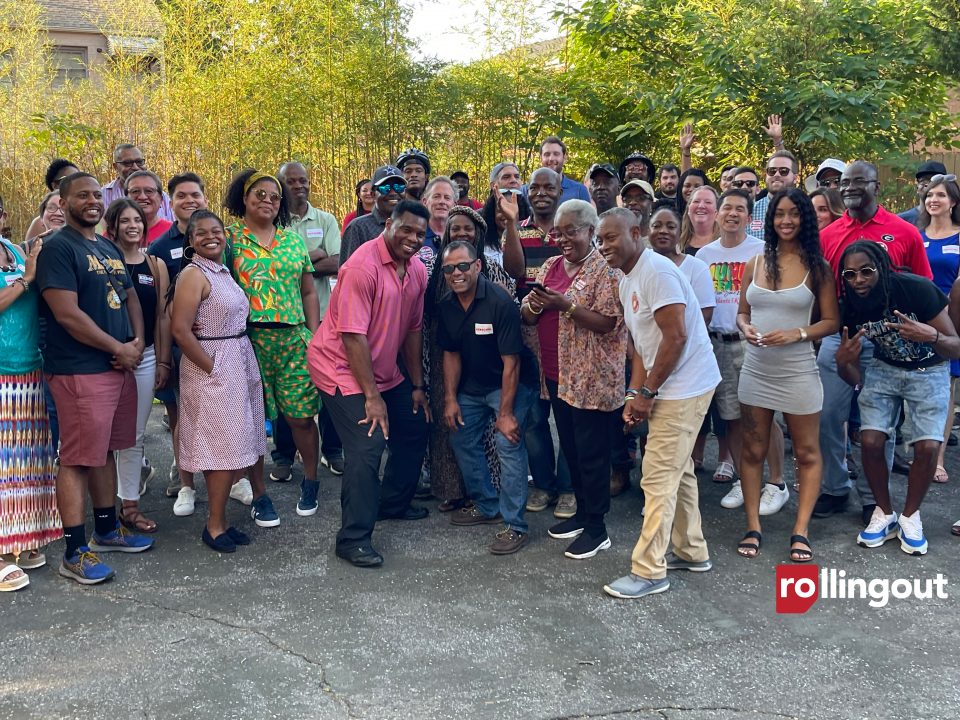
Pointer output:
800, 586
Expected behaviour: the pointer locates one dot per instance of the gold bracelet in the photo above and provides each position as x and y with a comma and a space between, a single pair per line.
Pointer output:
535, 312
569, 312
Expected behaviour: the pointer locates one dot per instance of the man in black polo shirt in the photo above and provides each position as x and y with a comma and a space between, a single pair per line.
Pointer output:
488, 373
388, 186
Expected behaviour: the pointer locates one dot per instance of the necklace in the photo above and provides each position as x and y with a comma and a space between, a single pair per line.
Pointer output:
579, 262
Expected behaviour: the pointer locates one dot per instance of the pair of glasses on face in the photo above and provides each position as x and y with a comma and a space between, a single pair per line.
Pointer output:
855, 182
833, 183
774, 171
261, 195
132, 163
744, 183
572, 233
461, 266
865, 272
144, 192
385, 189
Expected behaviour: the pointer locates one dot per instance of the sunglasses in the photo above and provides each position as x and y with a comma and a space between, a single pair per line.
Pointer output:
387, 187
745, 183
782, 172
261, 194
833, 182
866, 273
937, 179
461, 266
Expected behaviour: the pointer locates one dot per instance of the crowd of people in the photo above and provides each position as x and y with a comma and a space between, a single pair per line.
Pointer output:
642, 309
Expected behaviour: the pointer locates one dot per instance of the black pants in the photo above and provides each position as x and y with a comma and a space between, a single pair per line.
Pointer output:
285, 449
586, 437
361, 494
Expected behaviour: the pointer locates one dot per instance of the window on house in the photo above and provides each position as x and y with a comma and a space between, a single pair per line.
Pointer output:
70, 64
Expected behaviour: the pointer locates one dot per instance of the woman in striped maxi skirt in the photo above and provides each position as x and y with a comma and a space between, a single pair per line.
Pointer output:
28, 501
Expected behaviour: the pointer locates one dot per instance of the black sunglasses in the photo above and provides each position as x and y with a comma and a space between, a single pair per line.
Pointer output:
461, 266
744, 183
782, 172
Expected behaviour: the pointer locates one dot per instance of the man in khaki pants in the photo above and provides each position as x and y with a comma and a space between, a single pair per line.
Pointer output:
673, 378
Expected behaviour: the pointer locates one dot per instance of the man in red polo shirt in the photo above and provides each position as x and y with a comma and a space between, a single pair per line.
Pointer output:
864, 219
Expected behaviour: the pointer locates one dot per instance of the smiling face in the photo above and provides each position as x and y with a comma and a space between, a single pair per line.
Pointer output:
509, 178
262, 202
387, 201
664, 232
294, 177
822, 208
690, 183
777, 181
404, 236
144, 192
83, 205
461, 227
187, 198
463, 185
938, 202
208, 239
702, 208
746, 180
786, 220
619, 240
635, 170
128, 161
552, 156
575, 240
544, 192
440, 201
726, 178
52, 213
366, 196
130, 229
733, 214
460, 281
859, 273
858, 186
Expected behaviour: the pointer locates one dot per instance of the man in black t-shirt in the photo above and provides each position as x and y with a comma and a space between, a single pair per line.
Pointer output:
94, 341
488, 373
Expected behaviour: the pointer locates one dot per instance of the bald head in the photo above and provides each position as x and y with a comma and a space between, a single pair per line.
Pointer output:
294, 177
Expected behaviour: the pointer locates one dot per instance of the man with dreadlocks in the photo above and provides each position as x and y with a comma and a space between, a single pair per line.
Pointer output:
863, 220
905, 317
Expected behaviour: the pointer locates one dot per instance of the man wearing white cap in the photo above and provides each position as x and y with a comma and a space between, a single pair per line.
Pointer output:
637, 196
829, 172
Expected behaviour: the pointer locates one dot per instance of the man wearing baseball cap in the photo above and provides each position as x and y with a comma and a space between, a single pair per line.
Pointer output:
829, 172
926, 171
603, 183
388, 187
637, 196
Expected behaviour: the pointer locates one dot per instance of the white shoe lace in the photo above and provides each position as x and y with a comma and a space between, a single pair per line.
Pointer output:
878, 521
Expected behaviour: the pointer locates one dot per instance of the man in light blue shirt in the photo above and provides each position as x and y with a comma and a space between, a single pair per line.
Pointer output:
553, 155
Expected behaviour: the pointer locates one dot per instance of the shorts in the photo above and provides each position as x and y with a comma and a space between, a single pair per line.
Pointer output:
925, 393
730, 361
170, 395
97, 414
287, 387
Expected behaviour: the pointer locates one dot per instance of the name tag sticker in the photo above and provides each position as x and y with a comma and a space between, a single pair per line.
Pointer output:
951, 249
315, 232
483, 329
581, 284
176, 253
145, 279
11, 279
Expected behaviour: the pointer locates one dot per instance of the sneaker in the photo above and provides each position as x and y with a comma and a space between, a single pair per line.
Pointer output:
282, 472
308, 504
734, 498
334, 464
566, 530
508, 541
828, 505
586, 546
473, 516
242, 492
912, 541
882, 527
120, 540
566, 506
85, 568
146, 475
675, 563
539, 500
186, 501
263, 513
631, 586
772, 498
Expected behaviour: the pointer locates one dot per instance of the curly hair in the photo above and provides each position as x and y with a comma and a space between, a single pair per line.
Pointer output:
885, 268
234, 201
808, 239
54, 169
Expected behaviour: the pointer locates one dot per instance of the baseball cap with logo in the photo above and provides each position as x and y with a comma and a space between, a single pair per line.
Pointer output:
602, 167
387, 172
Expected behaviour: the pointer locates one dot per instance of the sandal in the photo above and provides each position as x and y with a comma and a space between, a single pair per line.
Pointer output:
9, 583
940, 476
799, 555
747, 549
724, 473
133, 519
30, 560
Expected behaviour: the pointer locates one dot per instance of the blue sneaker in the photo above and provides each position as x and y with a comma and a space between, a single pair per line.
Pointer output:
120, 540
631, 586
308, 504
882, 527
85, 568
912, 540
263, 513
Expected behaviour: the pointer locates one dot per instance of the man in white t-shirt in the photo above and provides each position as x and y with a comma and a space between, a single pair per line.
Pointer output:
671, 383
727, 258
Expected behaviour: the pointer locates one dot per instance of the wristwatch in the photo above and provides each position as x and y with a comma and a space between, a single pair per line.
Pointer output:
648, 393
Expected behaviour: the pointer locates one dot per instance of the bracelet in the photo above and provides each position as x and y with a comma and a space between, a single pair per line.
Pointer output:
165, 365
535, 312
631, 395
23, 283
568, 314
803, 334
937, 339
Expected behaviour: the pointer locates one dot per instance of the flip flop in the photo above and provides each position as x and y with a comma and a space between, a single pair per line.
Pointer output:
940, 476
725, 473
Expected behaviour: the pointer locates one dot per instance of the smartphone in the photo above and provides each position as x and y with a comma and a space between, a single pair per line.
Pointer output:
536, 286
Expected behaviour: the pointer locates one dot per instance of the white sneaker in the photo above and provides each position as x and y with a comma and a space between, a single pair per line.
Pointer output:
242, 492
882, 527
186, 500
734, 498
772, 498
912, 541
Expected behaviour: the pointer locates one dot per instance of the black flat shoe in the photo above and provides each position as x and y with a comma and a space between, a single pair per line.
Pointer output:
221, 543
239, 538
828, 505
363, 556
414, 512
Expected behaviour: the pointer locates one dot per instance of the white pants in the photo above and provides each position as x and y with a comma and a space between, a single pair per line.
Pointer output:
130, 461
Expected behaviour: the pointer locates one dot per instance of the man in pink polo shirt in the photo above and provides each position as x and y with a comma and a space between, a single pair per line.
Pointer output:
376, 314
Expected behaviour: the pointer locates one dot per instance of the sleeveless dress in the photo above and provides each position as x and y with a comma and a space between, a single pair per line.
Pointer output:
221, 414
781, 378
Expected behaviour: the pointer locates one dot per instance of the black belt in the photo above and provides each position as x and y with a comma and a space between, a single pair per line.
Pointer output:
224, 337
726, 337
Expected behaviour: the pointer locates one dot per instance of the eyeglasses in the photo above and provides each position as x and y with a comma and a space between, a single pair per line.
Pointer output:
745, 183
144, 192
781, 171
387, 187
571, 233
833, 182
132, 163
261, 195
855, 182
461, 266
865, 272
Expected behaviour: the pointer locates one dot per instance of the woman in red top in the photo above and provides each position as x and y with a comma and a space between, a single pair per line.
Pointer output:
365, 202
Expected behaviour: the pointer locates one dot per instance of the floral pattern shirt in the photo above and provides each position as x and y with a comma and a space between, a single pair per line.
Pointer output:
592, 366
270, 276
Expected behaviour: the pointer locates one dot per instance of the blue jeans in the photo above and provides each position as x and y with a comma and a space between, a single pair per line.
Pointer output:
837, 396
467, 444
925, 392
541, 454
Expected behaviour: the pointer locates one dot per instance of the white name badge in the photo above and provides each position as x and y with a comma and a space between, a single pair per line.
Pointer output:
333, 283
145, 279
176, 253
11, 279
315, 232
483, 329
951, 249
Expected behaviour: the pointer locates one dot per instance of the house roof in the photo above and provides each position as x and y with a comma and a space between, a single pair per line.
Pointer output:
135, 17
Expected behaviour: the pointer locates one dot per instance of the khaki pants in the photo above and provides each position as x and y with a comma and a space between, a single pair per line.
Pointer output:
672, 503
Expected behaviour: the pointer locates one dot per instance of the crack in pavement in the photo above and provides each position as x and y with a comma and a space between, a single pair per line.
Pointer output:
662, 712
324, 685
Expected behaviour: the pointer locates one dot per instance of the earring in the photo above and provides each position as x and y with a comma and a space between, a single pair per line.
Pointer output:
189, 252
